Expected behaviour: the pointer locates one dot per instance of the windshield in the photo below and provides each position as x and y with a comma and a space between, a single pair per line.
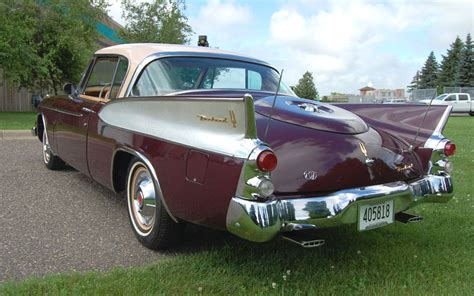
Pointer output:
172, 75
441, 97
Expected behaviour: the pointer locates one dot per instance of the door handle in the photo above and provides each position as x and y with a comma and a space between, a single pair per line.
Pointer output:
87, 110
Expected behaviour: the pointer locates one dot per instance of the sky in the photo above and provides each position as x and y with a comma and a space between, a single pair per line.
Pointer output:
345, 44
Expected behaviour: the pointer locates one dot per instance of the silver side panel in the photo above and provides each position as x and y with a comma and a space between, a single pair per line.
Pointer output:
220, 125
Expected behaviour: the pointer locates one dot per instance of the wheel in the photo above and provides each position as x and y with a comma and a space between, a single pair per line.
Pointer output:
50, 160
150, 222
471, 113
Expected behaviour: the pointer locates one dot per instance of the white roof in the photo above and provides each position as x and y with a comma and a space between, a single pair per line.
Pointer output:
136, 52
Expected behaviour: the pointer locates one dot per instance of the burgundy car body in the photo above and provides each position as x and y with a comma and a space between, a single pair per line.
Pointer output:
331, 158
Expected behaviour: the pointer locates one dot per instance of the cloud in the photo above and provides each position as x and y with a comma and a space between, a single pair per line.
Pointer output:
223, 22
346, 44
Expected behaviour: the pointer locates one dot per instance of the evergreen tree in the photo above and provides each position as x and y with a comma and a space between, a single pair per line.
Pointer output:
450, 64
414, 83
306, 88
429, 73
465, 73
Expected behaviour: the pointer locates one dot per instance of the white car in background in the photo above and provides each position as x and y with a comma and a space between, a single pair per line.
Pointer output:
461, 102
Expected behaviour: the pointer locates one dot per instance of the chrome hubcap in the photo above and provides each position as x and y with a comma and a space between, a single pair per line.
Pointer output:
141, 199
46, 148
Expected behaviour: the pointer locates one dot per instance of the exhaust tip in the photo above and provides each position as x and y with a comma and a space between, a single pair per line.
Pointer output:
407, 218
304, 242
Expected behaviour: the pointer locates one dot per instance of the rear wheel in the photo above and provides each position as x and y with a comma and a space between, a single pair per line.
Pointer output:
150, 222
471, 113
50, 160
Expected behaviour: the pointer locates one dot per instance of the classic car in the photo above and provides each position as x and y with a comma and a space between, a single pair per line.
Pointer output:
210, 137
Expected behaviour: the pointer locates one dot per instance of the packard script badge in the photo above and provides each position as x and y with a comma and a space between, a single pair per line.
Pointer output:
232, 119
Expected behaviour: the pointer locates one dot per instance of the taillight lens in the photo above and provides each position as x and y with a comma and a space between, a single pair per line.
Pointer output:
266, 161
449, 149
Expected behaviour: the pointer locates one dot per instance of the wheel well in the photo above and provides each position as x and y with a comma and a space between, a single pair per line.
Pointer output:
120, 169
39, 127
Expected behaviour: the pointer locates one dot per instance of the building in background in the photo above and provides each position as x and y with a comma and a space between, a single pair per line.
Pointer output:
383, 94
13, 99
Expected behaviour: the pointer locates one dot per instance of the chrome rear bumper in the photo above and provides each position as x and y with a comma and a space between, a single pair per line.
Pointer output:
261, 221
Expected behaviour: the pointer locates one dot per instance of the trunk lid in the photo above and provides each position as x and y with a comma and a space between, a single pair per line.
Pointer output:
329, 149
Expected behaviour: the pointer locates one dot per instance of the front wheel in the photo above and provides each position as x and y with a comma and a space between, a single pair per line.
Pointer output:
150, 222
50, 160
471, 113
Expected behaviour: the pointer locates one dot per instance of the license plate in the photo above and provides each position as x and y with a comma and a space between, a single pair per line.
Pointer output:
375, 215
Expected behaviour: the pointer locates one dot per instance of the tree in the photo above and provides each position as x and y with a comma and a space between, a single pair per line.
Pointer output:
160, 21
306, 88
414, 83
429, 73
465, 71
44, 43
450, 64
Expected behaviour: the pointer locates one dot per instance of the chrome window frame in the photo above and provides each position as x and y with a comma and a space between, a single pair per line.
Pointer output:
160, 55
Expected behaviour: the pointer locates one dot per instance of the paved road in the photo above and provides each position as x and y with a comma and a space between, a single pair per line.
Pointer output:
56, 221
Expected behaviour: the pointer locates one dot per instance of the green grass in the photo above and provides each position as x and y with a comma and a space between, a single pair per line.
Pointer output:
433, 257
17, 120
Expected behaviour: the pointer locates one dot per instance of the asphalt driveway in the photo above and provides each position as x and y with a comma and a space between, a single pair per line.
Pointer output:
56, 221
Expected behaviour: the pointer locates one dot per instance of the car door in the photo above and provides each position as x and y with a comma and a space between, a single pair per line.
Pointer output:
464, 104
100, 148
71, 130
452, 100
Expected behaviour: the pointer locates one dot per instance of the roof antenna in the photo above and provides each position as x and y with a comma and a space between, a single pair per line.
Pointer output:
273, 106
412, 147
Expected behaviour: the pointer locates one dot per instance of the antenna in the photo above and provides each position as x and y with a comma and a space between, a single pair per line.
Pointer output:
422, 122
273, 106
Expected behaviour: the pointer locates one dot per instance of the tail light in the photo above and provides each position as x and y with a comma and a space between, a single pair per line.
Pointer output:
266, 161
449, 149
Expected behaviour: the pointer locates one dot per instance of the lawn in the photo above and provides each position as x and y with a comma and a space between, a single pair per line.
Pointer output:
432, 257
17, 120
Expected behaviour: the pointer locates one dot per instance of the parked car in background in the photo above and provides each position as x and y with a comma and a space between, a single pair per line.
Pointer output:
461, 102
205, 136
395, 101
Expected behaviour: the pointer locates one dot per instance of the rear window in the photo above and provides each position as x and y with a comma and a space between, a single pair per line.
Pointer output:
463, 97
173, 75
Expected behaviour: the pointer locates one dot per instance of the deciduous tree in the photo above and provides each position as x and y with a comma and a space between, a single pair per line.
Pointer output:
45, 43
160, 21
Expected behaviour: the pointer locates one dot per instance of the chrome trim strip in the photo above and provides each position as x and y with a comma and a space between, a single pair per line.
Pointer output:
152, 171
260, 221
64, 112
444, 119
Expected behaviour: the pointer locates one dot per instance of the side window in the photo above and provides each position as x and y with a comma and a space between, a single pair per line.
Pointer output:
254, 80
119, 76
450, 98
100, 79
463, 97
225, 78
